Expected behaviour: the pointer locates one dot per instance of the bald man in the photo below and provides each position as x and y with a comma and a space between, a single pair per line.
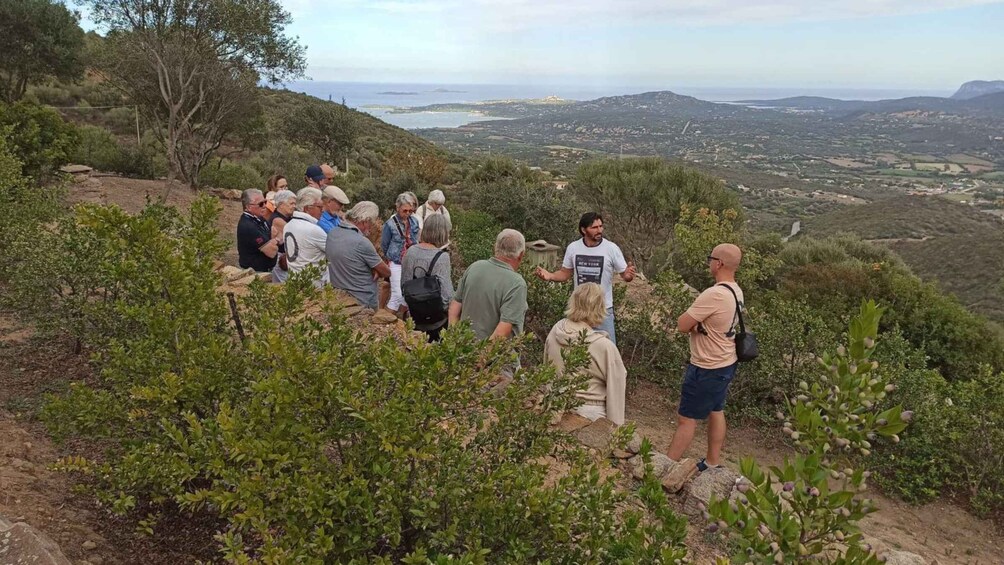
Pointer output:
711, 324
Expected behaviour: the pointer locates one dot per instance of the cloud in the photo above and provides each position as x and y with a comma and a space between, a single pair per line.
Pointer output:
527, 14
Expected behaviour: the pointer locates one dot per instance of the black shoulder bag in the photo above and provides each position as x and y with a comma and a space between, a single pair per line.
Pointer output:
424, 299
746, 346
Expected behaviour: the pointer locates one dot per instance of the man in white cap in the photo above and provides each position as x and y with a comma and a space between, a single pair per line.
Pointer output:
304, 240
334, 201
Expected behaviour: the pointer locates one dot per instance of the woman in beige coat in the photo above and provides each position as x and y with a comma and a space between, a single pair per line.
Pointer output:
604, 394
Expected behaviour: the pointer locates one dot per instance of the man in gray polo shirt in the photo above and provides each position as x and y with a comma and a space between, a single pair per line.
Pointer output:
353, 263
491, 294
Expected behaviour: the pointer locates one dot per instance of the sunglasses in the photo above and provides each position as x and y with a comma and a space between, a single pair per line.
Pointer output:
713, 258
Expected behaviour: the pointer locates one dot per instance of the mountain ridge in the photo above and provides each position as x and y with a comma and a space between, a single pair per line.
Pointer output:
976, 88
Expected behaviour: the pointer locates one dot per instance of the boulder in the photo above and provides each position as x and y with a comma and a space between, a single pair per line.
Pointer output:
570, 422
634, 446
661, 464
20, 543
597, 434
226, 193
678, 475
231, 273
384, 316
716, 482
903, 558
246, 280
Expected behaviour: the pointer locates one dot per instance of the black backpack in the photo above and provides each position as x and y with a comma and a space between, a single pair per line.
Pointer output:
424, 298
746, 345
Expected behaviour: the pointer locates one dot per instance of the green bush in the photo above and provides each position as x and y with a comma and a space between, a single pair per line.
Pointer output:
790, 334
642, 200
831, 275
474, 234
39, 137
646, 331
519, 198
956, 445
100, 149
282, 158
810, 506
31, 209
233, 175
313, 442
52, 95
121, 120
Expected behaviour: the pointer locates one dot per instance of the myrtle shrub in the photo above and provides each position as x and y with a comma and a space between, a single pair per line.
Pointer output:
39, 138
810, 505
100, 149
835, 274
521, 199
956, 444
308, 440
233, 175
546, 302
473, 234
698, 232
790, 333
646, 331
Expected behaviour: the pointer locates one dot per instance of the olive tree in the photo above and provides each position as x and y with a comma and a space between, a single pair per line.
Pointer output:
194, 66
329, 128
39, 39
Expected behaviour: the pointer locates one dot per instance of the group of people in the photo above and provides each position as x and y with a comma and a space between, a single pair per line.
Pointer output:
284, 232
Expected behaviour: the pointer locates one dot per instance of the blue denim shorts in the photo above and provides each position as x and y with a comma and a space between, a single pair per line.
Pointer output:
704, 390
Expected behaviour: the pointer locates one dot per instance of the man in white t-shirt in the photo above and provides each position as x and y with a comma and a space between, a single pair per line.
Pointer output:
593, 259
304, 239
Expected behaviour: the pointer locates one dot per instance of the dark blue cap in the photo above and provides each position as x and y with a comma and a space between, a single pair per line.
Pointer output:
315, 173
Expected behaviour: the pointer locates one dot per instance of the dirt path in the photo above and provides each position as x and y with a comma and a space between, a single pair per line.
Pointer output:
937, 531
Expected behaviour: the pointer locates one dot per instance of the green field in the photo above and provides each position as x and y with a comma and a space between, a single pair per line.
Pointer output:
957, 197
904, 173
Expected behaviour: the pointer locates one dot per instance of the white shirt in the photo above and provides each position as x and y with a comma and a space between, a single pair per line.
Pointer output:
595, 264
424, 211
305, 242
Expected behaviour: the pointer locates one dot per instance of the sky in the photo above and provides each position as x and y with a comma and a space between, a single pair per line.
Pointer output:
922, 44
894, 44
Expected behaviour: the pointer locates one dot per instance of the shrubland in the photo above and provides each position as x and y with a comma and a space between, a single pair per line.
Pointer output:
197, 420
309, 441
810, 505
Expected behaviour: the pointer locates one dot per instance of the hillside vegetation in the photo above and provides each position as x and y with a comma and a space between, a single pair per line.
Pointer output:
957, 246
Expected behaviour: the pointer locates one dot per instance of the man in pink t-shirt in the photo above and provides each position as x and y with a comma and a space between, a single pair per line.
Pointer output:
711, 323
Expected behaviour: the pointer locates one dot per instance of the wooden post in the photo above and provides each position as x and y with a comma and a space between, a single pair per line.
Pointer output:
236, 315
139, 140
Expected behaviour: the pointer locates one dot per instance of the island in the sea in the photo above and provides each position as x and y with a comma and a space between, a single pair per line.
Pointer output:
447, 90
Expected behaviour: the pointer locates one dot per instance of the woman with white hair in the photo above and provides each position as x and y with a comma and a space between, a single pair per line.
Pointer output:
436, 204
399, 233
285, 205
430, 259
604, 395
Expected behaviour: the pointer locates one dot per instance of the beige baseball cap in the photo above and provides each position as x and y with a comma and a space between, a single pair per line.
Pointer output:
333, 192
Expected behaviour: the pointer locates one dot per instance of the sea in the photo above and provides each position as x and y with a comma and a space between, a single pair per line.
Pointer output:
378, 98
